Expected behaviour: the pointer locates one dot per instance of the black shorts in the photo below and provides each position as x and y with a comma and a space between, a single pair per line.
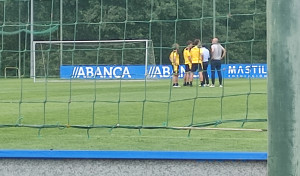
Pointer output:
187, 68
197, 67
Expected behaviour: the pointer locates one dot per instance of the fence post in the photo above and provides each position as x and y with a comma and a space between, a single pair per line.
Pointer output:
283, 31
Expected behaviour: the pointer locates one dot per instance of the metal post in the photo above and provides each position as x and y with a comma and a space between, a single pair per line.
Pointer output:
19, 54
161, 40
31, 40
19, 65
214, 18
61, 30
33, 60
146, 58
283, 30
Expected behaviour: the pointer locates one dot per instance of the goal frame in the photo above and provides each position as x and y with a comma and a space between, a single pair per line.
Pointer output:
34, 43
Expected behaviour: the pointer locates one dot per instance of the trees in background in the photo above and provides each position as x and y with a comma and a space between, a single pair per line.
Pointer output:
240, 25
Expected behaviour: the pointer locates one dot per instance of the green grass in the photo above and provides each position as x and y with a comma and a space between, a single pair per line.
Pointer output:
57, 114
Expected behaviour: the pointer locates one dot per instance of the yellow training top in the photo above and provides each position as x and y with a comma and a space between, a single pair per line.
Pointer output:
174, 55
186, 55
196, 54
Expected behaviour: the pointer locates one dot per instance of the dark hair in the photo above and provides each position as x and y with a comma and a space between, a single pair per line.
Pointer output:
175, 46
196, 41
189, 42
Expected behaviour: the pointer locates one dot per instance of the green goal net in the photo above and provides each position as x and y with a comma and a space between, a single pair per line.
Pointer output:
50, 56
37, 38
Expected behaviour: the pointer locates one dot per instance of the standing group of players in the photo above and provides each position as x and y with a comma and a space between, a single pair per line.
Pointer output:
196, 59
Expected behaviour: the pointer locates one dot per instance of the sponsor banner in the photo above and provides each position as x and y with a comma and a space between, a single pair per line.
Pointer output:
244, 70
102, 72
157, 71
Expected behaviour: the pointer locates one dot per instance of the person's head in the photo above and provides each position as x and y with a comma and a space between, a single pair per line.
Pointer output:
175, 46
189, 44
197, 42
215, 40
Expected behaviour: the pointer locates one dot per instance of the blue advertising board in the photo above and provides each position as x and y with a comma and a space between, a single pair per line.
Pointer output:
155, 71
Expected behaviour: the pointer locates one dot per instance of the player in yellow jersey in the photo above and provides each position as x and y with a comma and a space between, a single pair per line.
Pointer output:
197, 58
187, 62
174, 59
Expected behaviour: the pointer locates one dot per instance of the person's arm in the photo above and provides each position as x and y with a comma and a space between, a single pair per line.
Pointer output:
171, 58
223, 53
211, 51
174, 58
190, 58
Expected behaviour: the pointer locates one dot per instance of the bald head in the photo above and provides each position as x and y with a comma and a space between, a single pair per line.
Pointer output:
215, 40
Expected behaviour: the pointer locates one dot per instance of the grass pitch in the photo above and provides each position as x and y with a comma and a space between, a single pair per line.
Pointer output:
83, 115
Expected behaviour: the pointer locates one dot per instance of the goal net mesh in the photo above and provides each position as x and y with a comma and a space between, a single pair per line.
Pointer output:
239, 25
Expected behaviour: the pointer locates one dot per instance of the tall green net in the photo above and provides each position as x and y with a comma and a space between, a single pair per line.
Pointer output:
50, 56
38, 38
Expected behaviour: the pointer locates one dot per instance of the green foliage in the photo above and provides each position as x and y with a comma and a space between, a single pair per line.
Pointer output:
163, 21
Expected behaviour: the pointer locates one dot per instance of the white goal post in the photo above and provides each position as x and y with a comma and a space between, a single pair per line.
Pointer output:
148, 45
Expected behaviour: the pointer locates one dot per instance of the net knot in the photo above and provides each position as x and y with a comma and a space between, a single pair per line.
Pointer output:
218, 122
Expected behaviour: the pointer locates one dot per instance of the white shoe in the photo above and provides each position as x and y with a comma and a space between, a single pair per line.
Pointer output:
212, 85
221, 86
